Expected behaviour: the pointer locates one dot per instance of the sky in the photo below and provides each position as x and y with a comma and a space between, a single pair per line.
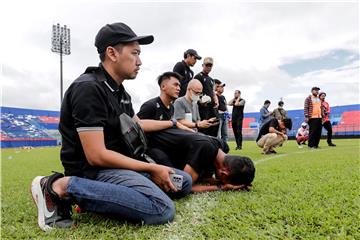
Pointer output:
268, 50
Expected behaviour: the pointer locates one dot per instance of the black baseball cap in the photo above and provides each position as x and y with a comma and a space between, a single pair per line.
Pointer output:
218, 82
192, 52
315, 88
115, 33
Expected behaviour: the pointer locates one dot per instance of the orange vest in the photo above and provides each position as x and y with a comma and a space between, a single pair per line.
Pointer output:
316, 112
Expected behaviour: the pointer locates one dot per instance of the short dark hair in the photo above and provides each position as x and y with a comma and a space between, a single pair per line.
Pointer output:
280, 103
288, 123
168, 75
242, 169
266, 102
217, 81
118, 47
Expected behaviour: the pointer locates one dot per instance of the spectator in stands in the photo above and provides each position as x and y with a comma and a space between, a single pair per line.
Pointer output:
273, 134
326, 120
302, 134
100, 175
265, 114
186, 109
183, 68
313, 116
222, 109
279, 112
237, 117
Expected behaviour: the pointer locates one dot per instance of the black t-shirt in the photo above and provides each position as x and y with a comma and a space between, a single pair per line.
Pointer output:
208, 85
87, 107
237, 111
156, 110
183, 147
273, 122
222, 103
187, 74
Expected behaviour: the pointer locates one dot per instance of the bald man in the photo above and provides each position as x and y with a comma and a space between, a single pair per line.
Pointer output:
186, 110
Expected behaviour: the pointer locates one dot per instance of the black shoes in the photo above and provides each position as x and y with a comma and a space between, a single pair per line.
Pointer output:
52, 212
331, 144
238, 148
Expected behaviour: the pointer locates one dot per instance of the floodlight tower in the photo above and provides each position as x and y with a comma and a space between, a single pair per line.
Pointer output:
60, 41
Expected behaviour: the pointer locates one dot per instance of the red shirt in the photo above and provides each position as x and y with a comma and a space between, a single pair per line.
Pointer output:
326, 108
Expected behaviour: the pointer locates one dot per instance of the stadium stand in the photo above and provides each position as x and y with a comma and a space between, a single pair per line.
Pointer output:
26, 127
345, 120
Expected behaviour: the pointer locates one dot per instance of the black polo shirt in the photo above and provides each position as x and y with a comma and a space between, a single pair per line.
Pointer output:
184, 70
208, 85
222, 103
87, 107
265, 128
156, 110
184, 147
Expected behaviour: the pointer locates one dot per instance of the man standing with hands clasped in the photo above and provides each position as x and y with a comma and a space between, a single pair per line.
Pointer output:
237, 117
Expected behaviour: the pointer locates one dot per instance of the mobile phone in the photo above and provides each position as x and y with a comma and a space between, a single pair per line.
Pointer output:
215, 120
177, 180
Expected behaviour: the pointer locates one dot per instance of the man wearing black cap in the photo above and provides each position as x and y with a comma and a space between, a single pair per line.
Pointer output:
101, 174
183, 68
208, 102
222, 109
313, 116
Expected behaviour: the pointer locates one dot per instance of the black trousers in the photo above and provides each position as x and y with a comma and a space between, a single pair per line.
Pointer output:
236, 123
207, 112
315, 127
175, 147
327, 126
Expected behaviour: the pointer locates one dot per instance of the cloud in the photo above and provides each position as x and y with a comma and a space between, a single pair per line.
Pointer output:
249, 42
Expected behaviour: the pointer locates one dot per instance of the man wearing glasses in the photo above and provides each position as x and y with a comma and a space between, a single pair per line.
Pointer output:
208, 103
186, 110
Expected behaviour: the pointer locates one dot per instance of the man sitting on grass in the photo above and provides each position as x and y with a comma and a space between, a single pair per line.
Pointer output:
273, 134
103, 174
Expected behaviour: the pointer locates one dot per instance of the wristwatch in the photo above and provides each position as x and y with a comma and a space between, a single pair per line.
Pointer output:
174, 122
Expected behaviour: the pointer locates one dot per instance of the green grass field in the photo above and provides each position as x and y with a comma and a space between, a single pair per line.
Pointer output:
297, 194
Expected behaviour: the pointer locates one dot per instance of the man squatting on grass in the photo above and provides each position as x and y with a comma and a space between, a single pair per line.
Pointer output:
273, 134
100, 177
198, 154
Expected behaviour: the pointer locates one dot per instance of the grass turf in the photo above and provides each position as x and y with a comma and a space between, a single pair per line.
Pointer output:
297, 194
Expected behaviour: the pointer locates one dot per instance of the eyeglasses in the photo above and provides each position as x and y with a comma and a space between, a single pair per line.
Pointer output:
208, 65
196, 93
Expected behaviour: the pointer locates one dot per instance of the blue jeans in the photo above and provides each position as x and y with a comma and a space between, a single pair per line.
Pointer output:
223, 127
127, 195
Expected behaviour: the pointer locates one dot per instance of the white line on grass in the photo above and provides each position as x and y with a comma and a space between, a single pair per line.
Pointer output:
298, 152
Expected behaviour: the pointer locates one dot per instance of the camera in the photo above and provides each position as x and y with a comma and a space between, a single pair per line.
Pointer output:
177, 180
